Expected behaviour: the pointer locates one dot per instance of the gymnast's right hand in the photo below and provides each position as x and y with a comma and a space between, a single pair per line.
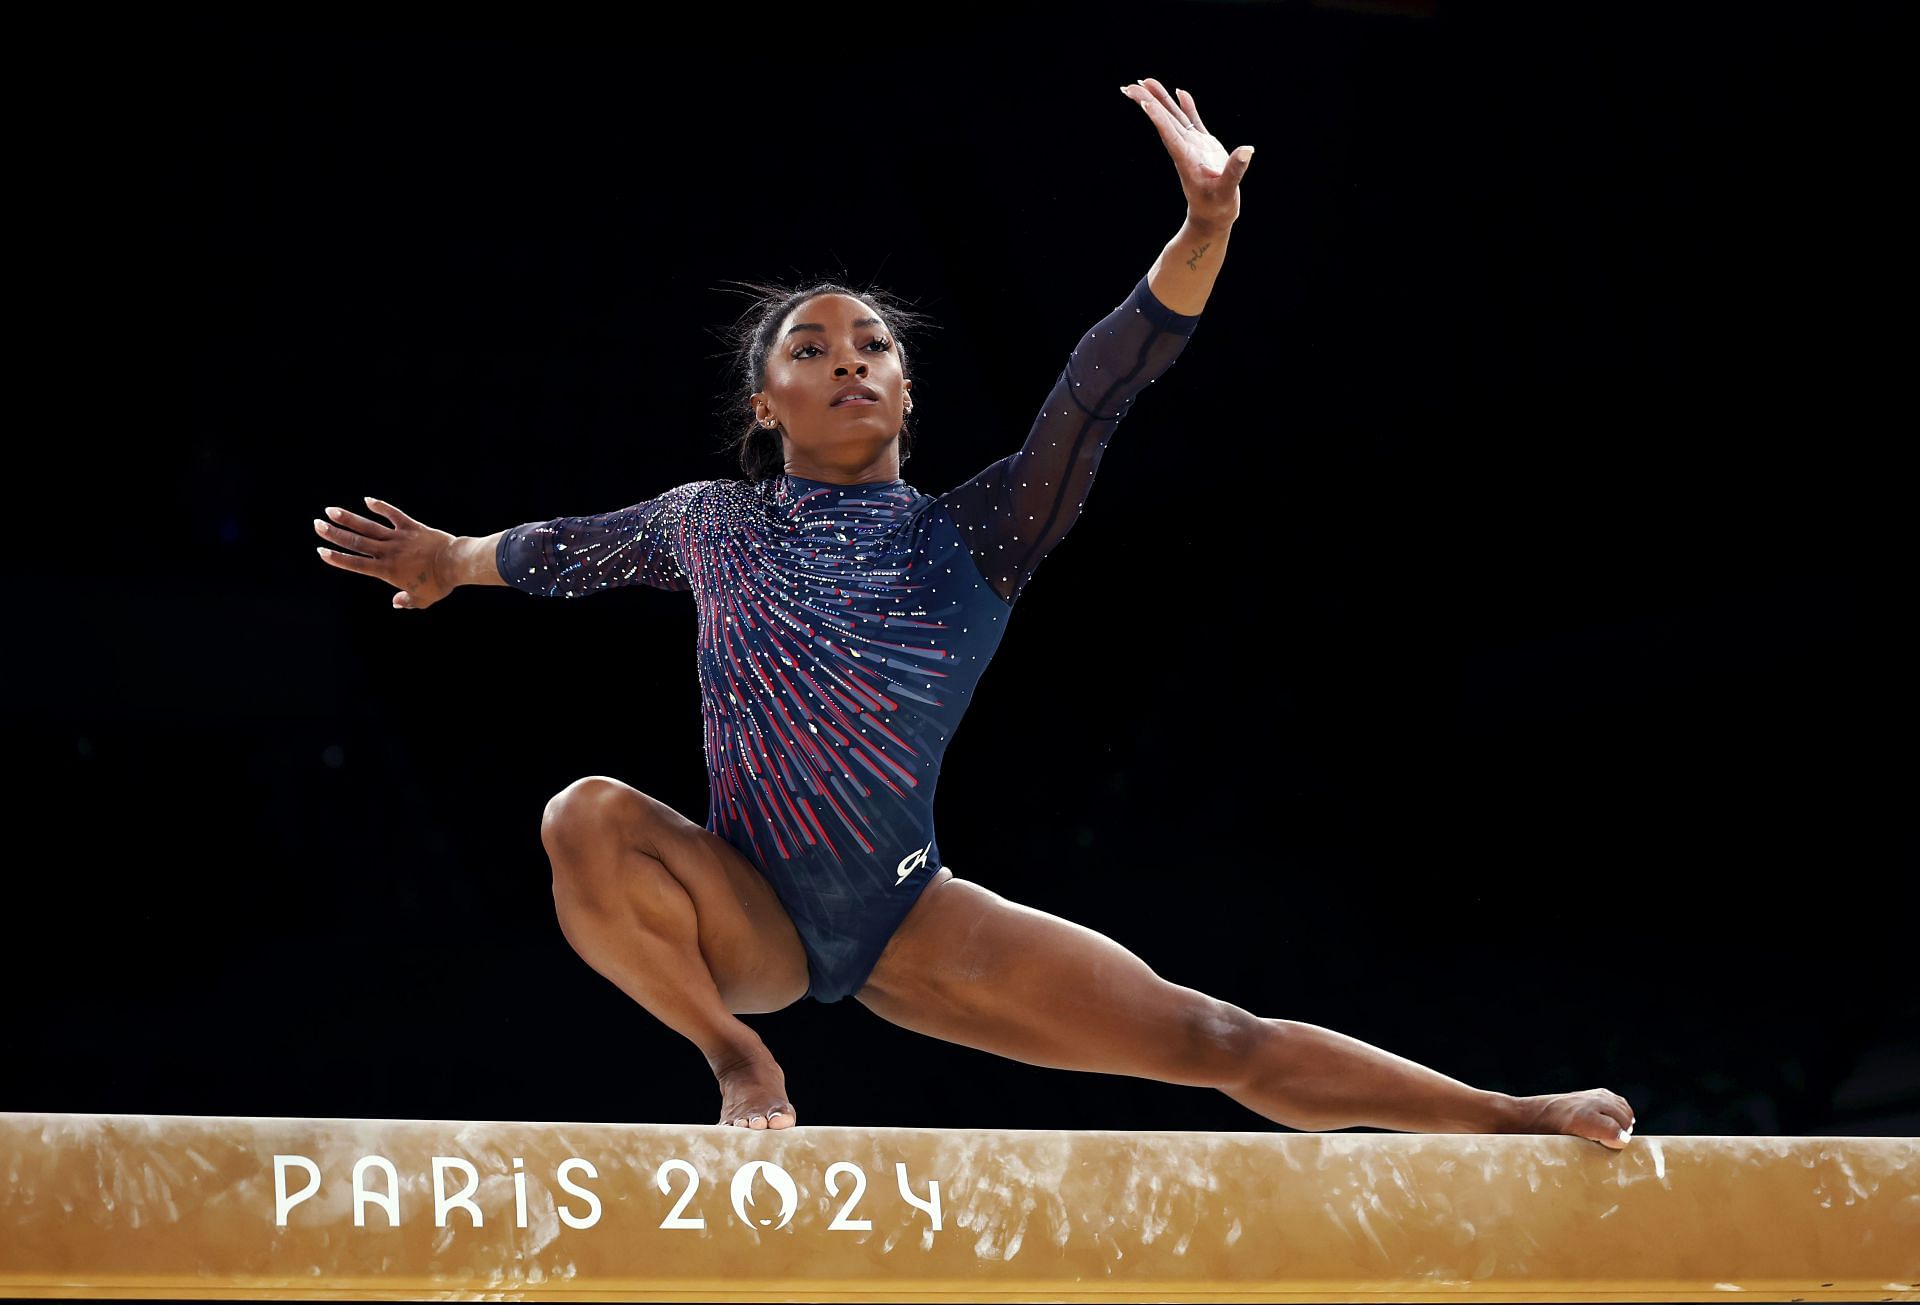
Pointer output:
411, 557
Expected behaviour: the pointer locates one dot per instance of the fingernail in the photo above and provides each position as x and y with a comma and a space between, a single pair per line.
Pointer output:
1625, 1136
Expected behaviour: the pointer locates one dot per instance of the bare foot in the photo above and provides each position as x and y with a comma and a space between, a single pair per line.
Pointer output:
1596, 1114
753, 1094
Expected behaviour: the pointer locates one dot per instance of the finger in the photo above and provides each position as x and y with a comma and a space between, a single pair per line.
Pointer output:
1193, 110
388, 509
1238, 162
350, 562
1166, 101
1162, 120
344, 538
365, 525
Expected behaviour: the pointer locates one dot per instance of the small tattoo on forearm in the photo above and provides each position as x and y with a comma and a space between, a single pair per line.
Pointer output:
1192, 262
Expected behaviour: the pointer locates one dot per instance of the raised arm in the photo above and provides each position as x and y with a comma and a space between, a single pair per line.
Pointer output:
1013, 513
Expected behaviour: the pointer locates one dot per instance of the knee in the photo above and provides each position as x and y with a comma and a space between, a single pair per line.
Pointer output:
1227, 1042
579, 809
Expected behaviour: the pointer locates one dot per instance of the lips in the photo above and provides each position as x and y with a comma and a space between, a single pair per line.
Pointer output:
855, 390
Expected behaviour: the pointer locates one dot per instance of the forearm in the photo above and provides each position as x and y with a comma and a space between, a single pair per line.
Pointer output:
469, 560
1328, 1080
1182, 277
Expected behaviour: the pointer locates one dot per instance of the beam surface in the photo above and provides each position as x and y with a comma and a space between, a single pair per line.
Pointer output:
207, 1206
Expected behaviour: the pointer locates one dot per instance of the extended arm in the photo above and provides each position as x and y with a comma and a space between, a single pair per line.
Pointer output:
571, 557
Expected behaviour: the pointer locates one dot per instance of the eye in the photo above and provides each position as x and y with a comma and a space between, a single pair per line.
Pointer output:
884, 345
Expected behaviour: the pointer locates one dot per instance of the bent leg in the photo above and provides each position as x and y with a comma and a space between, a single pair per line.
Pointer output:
647, 899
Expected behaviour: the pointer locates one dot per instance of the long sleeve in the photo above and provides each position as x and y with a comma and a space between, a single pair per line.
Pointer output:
1013, 513
571, 557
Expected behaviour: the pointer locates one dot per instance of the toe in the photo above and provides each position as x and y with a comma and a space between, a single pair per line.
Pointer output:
757, 1121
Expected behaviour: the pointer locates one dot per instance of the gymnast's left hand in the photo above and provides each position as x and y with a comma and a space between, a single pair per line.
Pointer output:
1208, 174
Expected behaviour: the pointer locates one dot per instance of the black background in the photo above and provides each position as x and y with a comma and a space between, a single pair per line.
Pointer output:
1488, 640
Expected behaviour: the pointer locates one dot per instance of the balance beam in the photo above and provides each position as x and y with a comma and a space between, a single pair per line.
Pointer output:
174, 1206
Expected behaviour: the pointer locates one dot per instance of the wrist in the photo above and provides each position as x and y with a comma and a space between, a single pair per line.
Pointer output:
1509, 1114
1208, 226
459, 561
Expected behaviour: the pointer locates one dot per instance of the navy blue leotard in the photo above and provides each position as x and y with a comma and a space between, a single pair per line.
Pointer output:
842, 629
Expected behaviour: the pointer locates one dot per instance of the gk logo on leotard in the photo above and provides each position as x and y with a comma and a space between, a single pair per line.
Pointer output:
912, 861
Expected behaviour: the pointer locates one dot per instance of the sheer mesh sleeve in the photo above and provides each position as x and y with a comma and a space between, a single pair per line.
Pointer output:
571, 557
1012, 514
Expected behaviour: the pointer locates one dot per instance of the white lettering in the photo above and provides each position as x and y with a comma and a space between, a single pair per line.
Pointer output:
567, 1216
840, 1220
444, 1204
390, 1202
931, 1205
281, 1201
678, 1166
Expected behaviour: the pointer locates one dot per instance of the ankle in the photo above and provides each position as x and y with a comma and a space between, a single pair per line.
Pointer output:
737, 1053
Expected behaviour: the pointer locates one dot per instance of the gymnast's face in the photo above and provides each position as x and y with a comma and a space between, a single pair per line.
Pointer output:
825, 343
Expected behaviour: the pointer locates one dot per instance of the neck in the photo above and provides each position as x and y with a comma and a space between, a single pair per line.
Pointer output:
881, 466
878, 474
886, 480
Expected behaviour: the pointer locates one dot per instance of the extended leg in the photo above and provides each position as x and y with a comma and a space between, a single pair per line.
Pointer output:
971, 967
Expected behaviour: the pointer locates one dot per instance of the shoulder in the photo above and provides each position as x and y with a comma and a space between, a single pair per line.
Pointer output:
700, 495
722, 503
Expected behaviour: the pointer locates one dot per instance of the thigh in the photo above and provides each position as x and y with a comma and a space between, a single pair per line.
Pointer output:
969, 966
745, 935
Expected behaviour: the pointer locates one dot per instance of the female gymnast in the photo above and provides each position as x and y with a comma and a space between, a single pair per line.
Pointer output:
844, 620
